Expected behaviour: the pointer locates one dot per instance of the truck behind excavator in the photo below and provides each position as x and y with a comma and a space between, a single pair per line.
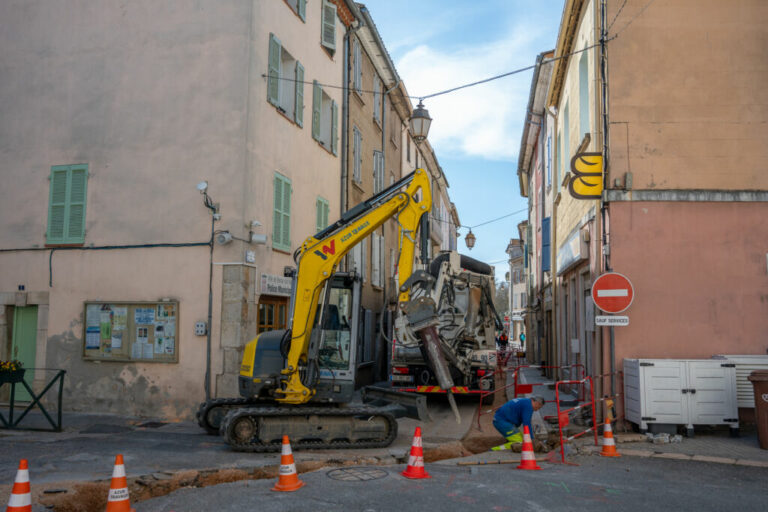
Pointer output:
300, 381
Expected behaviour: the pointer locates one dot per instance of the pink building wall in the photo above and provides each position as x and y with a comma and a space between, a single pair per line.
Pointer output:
700, 276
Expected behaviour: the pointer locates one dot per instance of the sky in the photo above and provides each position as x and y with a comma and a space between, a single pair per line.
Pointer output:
440, 44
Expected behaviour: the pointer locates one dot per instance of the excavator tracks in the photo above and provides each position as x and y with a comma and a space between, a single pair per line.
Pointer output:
260, 429
212, 412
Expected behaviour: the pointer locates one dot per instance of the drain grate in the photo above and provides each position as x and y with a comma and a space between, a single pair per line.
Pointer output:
357, 474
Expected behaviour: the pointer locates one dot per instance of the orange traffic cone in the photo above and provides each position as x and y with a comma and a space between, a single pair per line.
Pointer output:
415, 468
288, 479
21, 496
527, 459
118, 500
609, 445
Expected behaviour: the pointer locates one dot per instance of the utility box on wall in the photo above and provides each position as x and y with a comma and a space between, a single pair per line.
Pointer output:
680, 392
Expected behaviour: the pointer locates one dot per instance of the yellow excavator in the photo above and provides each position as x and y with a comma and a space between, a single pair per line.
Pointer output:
300, 381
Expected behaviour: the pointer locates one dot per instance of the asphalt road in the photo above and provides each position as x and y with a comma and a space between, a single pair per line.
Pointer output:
627, 484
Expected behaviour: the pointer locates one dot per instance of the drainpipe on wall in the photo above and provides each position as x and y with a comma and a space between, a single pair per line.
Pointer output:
603, 202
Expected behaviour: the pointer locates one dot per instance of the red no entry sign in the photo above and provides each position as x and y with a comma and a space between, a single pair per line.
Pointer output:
612, 292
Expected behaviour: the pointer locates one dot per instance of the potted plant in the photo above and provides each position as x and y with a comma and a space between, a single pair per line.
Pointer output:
11, 371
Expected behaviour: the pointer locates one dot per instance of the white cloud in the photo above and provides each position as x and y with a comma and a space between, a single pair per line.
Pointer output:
484, 120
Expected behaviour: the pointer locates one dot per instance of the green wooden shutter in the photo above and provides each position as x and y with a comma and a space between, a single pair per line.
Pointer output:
77, 194
57, 205
286, 214
302, 10
329, 25
334, 128
273, 85
317, 99
277, 219
298, 113
321, 214
66, 206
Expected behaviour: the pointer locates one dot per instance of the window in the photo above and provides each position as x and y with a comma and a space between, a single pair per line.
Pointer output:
325, 119
357, 156
328, 38
281, 223
417, 158
408, 148
584, 94
566, 161
358, 257
357, 67
66, 204
272, 313
321, 214
546, 257
549, 160
377, 259
285, 84
394, 127
378, 172
377, 100
299, 7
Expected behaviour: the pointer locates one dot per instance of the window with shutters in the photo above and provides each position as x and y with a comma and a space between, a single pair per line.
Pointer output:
377, 260
325, 119
66, 204
299, 7
285, 82
357, 155
546, 258
281, 222
357, 67
549, 160
321, 214
394, 128
583, 94
378, 172
357, 258
328, 29
377, 100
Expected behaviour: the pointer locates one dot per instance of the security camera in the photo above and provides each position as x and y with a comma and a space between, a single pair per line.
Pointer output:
223, 238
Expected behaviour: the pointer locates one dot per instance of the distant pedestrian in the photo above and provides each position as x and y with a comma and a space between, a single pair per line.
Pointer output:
511, 417
503, 340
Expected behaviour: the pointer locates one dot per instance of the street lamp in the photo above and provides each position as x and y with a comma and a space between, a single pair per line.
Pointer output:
469, 239
420, 122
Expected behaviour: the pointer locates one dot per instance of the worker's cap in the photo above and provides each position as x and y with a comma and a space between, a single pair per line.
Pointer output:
537, 398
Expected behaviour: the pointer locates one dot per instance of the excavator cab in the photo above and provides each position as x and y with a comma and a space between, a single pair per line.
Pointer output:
334, 332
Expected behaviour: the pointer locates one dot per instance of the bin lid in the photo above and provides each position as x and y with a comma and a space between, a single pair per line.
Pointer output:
758, 376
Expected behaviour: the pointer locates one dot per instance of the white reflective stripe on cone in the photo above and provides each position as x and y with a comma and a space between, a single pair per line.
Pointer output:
527, 438
528, 456
415, 461
608, 441
118, 494
287, 449
416, 441
287, 469
118, 471
22, 476
20, 500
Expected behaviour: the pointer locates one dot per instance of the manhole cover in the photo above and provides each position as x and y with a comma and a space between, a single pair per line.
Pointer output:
357, 474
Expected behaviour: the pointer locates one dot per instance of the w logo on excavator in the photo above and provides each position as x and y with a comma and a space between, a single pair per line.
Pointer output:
327, 249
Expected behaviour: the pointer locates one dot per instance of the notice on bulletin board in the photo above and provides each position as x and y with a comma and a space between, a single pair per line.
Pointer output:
131, 331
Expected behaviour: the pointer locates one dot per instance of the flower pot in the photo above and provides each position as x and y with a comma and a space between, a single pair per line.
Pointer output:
12, 376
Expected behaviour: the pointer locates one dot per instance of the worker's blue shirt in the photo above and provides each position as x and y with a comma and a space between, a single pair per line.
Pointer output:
518, 412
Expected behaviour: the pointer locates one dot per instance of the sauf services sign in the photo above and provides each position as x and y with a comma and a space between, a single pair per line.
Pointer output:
613, 293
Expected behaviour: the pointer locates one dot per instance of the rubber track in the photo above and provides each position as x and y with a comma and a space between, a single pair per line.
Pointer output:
287, 412
205, 407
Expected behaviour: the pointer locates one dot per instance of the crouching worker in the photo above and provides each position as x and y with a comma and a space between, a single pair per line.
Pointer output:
511, 417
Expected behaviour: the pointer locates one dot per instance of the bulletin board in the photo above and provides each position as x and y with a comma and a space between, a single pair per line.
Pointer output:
131, 331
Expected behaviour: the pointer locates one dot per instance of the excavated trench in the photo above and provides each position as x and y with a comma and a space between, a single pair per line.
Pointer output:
92, 496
